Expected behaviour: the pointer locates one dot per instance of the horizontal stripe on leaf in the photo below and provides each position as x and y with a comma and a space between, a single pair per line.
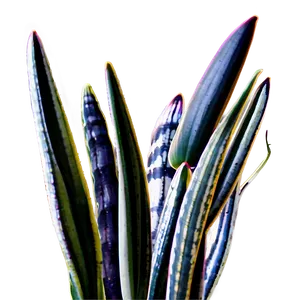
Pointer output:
102, 164
165, 232
159, 171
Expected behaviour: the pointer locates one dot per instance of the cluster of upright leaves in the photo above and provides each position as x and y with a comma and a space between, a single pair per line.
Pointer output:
205, 143
193, 173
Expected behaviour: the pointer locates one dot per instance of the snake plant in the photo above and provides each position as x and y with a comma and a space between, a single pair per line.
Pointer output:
145, 237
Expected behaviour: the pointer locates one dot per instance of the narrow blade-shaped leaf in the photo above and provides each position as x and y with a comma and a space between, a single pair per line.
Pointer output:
102, 164
239, 150
159, 171
134, 212
220, 249
67, 191
211, 97
165, 233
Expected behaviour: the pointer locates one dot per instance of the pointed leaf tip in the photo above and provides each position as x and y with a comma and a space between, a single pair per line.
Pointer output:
36, 40
32, 32
177, 98
264, 87
109, 67
251, 22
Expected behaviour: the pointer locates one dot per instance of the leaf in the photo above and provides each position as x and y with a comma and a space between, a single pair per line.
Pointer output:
102, 163
69, 201
240, 148
211, 97
134, 212
165, 232
215, 262
159, 171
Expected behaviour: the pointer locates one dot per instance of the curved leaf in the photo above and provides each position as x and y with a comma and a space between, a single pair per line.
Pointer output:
159, 171
69, 201
211, 97
239, 150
